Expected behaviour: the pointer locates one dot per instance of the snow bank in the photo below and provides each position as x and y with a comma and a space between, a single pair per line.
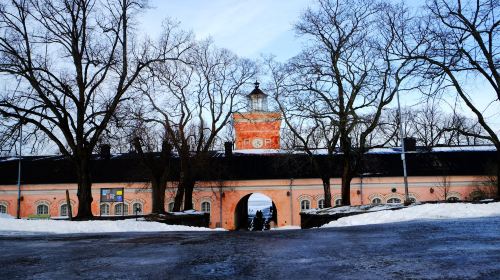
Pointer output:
286, 228
352, 209
421, 212
9, 225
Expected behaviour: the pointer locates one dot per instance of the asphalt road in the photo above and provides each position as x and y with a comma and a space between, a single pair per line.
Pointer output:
460, 249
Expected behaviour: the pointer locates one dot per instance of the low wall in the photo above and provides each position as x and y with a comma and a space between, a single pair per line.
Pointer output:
185, 219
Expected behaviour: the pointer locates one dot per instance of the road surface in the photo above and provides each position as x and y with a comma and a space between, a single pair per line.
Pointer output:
457, 249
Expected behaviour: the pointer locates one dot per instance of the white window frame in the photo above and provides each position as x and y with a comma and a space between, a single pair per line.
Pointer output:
61, 210
376, 203
394, 202
337, 203
4, 206
42, 205
141, 207
321, 203
124, 206
209, 206
105, 205
302, 201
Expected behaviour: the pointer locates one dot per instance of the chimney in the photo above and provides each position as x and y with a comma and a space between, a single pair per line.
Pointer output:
105, 151
410, 144
228, 149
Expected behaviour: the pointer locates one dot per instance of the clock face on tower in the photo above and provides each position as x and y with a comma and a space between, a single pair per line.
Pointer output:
257, 143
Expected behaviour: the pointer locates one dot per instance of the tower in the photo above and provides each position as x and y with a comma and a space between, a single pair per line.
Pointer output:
258, 128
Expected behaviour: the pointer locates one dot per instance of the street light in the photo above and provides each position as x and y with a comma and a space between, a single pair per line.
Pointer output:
403, 152
21, 122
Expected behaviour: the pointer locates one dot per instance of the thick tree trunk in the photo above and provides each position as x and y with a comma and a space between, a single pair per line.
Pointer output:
158, 196
84, 189
179, 195
327, 191
498, 173
188, 194
346, 180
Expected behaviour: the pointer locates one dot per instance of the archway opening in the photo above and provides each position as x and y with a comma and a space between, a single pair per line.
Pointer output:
247, 210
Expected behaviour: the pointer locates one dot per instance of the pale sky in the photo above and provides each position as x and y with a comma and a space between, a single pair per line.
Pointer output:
250, 28
246, 27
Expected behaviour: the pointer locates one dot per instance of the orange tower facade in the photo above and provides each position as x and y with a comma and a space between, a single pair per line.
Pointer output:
258, 128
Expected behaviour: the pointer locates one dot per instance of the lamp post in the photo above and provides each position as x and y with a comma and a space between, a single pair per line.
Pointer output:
403, 152
18, 216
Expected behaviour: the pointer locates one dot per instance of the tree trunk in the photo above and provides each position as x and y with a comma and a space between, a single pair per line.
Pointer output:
179, 195
84, 189
327, 191
158, 196
498, 173
188, 194
346, 180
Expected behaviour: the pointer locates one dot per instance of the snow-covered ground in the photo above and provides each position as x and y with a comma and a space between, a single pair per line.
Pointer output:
421, 212
9, 226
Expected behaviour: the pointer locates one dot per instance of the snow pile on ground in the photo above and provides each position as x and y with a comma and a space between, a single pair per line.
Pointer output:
9, 225
421, 212
353, 209
286, 228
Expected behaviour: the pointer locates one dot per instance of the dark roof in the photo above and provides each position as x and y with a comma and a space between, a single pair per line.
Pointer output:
246, 166
256, 90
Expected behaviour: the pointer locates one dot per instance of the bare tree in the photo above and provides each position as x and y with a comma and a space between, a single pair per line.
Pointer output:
192, 102
333, 93
444, 188
70, 64
459, 41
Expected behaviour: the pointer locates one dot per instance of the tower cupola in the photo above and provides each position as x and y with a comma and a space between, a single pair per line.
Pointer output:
257, 99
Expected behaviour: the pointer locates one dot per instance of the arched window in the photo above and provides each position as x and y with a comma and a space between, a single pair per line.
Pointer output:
412, 199
63, 210
104, 209
321, 203
305, 204
137, 208
376, 200
205, 207
338, 202
42, 209
3, 209
453, 199
121, 207
171, 207
394, 200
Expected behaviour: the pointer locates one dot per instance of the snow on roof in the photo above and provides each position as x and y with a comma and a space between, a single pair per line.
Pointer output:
384, 150
5, 159
486, 148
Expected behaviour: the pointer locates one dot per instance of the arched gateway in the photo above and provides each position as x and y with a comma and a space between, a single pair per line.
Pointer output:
243, 212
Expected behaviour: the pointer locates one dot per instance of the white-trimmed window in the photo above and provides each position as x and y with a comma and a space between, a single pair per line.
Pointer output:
104, 209
376, 200
393, 200
453, 199
205, 207
305, 204
63, 210
171, 207
42, 209
137, 208
338, 202
321, 203
121, 207
3, 209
